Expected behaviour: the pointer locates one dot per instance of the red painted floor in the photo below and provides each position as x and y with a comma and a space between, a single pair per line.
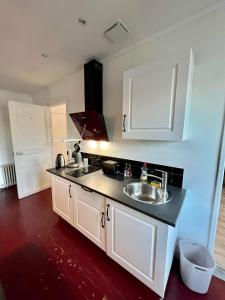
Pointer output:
43, 257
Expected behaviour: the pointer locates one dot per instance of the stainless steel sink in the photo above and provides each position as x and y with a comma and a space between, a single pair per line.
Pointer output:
141, 191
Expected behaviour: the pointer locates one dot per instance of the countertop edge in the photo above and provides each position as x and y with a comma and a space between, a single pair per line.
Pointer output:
73, 180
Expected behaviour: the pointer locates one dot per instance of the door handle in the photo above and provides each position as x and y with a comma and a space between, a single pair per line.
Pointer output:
19, 153
70, 191
86, 189
124, 119
107, 213
103, 220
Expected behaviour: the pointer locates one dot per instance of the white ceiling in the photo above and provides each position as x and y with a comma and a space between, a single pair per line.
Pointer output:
30, 27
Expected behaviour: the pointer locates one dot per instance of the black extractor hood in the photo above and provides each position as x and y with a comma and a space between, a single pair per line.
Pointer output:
91, 123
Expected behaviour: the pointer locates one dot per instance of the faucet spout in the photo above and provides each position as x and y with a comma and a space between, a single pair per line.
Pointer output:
163, 179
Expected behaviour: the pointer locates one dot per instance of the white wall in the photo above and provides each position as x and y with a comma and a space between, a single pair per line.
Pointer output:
6, 149
198, 155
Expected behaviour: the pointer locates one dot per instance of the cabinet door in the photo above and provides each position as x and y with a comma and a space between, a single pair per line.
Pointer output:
89, 215
62, 198
156, 99
138, 243
131, 240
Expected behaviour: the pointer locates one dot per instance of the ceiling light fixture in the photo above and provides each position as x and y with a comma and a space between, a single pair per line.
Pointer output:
45, 55
82, 21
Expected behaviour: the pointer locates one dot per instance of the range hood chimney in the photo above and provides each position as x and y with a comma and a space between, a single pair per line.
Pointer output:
91, 123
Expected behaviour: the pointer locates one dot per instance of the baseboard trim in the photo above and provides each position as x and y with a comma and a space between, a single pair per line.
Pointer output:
45, 187
2, 189
219, 272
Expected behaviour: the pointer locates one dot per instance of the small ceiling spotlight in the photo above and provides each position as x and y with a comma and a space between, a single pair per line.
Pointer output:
82, 21
45, 55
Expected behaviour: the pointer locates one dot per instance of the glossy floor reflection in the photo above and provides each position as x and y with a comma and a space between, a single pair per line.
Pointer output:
43, 257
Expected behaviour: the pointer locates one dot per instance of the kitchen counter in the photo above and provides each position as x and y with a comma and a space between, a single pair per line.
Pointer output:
112, 187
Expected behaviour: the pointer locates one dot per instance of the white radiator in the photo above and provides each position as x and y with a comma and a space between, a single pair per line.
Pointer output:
9, 174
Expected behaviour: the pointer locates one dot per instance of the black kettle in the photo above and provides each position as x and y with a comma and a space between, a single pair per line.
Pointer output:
60, 161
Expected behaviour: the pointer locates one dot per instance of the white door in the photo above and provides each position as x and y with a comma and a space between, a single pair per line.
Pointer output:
156, 99
30, 129
62, 198
89, 215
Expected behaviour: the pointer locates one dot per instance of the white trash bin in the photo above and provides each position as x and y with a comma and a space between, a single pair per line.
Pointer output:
196, 266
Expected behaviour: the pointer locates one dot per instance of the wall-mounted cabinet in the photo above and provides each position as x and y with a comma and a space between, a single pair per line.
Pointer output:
156, 99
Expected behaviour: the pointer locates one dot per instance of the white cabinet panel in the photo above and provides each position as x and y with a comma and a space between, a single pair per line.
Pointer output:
140, 245
156, 99
136, 249
131, 241
89, 215
161, 99
62, 193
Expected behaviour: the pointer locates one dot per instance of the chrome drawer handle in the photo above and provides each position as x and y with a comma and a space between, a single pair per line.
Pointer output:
107, 213
86, 189
70, 191
103, 220
124, 119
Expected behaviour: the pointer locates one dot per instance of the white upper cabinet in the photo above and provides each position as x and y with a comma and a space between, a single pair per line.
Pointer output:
156, 99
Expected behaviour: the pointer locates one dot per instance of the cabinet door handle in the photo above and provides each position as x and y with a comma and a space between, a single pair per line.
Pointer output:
124, 119
103, 220
107, 213
86, 189
70, 191
19, 153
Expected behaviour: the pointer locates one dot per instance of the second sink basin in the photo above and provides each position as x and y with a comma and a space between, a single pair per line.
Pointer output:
141, 191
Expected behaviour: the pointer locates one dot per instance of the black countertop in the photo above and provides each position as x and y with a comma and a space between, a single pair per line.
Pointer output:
112, 187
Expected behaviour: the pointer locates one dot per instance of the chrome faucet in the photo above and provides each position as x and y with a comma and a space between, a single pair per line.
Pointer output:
163, 179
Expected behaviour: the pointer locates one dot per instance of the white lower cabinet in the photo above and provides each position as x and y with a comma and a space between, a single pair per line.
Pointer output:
139, 243
89, 215
81, 207
62, 200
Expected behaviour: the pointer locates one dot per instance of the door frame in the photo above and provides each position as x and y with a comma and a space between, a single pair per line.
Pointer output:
218, 183
51, 129
50, 113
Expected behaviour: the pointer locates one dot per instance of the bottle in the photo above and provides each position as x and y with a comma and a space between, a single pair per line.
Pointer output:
129, 171
144, 172
126, 170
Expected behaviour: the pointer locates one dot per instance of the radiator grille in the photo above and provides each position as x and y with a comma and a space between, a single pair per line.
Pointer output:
9, 174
